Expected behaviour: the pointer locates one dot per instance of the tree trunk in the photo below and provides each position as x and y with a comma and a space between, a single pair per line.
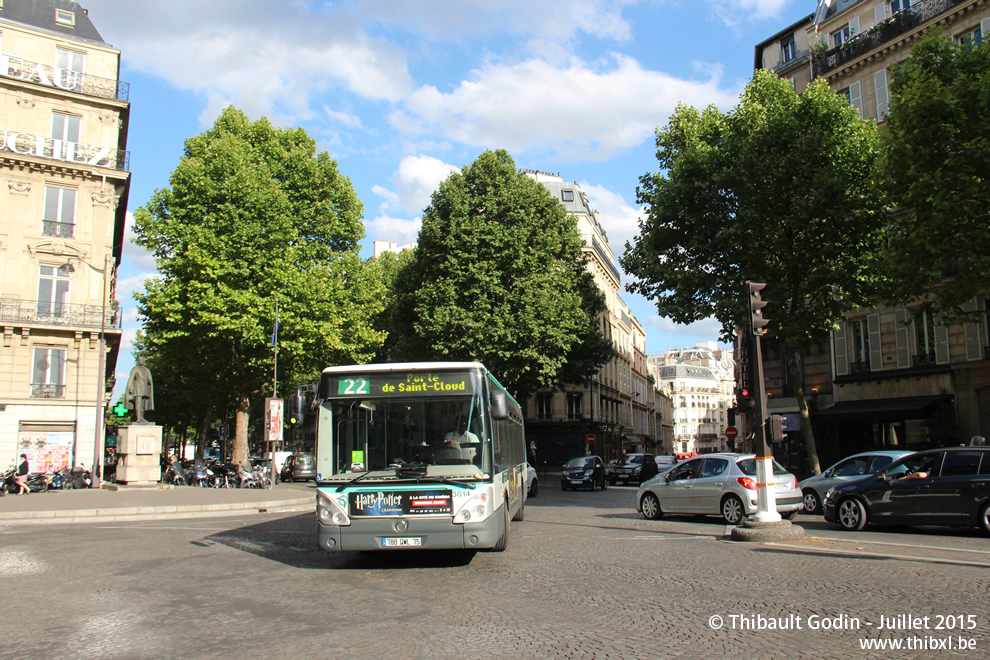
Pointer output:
241, 418
797, 378
204, 425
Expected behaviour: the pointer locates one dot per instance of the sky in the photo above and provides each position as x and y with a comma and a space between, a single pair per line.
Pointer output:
401, 93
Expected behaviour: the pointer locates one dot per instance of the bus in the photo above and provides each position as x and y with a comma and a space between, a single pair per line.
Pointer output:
417, 455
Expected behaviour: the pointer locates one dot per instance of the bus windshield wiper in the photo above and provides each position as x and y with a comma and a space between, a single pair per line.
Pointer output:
353, 481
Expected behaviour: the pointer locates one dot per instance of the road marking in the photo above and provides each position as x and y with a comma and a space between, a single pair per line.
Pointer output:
900, 545
857, 553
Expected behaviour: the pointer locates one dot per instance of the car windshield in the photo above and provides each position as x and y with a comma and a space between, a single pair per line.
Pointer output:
633, 459
581, 461
748, 467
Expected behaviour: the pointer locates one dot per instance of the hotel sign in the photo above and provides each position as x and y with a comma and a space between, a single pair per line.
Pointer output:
24, 144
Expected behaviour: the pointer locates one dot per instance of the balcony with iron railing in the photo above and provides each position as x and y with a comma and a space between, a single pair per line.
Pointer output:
58, 229
44, 75
881, 33
25, 144
43, 312
47, 391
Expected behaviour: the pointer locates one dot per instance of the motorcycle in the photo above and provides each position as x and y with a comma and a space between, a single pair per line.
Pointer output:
81, 477
11, 484
197, 474
38, 482
174, 474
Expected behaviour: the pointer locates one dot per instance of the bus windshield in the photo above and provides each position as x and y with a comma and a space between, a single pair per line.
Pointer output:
380, 434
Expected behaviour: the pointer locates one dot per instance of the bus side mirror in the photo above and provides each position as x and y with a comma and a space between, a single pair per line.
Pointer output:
500, 407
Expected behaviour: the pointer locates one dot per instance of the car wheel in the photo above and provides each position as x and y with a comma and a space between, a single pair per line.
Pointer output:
563, 487
732, 510
650, 506
604, 484
984, 519
812, 503
534, 489
851, 514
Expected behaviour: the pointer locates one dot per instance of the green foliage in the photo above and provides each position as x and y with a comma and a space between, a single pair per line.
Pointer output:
253, 214
779, 190
937, 164
498, 277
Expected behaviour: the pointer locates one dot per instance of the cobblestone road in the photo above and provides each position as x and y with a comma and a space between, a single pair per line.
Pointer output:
584, 576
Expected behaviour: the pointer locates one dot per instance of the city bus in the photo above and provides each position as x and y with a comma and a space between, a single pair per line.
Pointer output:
418, 455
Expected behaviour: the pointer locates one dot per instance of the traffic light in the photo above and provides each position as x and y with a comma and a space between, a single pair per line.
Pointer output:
756, 305
731, 414
744, 399
295, 409
776, 429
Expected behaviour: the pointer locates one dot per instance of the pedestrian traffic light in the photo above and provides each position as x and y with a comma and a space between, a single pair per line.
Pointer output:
756, 305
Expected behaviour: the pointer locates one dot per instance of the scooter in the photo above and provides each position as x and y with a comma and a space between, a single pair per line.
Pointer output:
38, 482
12, 485
81, 477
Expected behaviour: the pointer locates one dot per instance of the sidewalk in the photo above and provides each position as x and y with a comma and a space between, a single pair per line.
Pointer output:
118, 503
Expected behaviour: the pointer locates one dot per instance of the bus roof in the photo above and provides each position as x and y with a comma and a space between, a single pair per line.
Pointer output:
404, 366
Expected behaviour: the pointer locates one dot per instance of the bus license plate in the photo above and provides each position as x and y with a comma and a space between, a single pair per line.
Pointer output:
399, 542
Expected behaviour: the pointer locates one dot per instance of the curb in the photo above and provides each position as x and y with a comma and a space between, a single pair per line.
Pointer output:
119, 514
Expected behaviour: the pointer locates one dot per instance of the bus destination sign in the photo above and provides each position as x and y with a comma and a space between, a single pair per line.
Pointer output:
392, 384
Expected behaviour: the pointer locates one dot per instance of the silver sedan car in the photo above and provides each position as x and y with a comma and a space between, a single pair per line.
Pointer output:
852, 467
716, 484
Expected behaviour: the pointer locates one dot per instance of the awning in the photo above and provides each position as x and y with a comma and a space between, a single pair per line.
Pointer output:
883, 410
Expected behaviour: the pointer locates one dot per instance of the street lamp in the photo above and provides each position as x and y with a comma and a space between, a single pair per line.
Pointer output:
67, 269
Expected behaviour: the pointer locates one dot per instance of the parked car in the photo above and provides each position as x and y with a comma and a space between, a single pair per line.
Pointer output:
664, 462
945, 487
716, 484
532, 485
299, 467
635, 467
848, 469
584, 472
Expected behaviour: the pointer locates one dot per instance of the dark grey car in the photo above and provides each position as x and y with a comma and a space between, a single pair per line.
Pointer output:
299, 467
941, 487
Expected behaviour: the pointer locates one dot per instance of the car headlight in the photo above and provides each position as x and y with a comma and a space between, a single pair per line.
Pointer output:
588, 473
830, 495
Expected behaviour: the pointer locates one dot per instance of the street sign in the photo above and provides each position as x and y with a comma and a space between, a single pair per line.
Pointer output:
119, 410
590, 438
222, 430
731, 432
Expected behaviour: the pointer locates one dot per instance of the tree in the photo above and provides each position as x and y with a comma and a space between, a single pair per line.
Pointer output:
937, 148
498, 276
779, 190
253, 215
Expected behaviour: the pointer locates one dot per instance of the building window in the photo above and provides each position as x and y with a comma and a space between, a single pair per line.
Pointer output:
860, 346
53, 293
544, 406
60, 212
924, 337
788, 50
840, 36
575, 406
69, 67
567, 195
971, 38
854, 94
66, 18
900, 5
48, 381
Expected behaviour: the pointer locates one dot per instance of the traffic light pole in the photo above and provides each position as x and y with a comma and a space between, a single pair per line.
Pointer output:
766, 499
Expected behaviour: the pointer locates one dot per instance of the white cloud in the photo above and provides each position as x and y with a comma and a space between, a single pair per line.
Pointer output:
400, 230
266, 58
466, 19
734, 13
576, 113
617, 217
414, 182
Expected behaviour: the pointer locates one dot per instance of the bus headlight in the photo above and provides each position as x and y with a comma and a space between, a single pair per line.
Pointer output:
330, 512
477, 508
